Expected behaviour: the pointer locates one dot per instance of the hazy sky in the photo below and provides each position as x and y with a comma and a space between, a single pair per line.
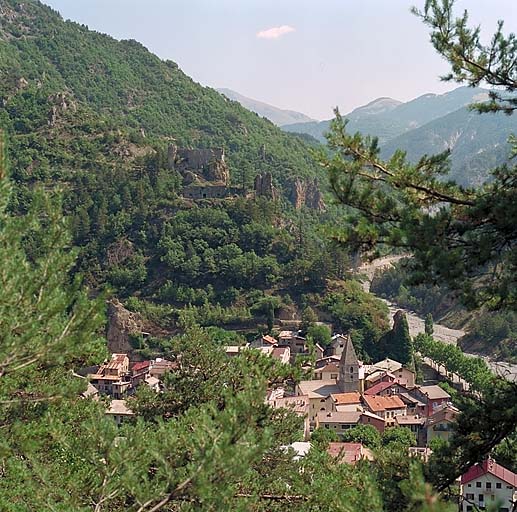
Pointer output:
305, 55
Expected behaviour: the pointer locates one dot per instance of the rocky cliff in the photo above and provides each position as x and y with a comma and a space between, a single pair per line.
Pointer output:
306, 193
122, 323
264, 186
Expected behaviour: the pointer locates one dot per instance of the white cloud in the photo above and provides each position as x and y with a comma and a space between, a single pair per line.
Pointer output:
275, 32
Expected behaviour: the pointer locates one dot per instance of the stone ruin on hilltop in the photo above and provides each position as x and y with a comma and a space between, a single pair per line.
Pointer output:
205, 172
206, 175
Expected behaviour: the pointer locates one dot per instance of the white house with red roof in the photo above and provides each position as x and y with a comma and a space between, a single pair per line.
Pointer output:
488, 484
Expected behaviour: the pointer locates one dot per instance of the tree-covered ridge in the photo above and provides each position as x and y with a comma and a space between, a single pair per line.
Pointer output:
95, 116
118, 89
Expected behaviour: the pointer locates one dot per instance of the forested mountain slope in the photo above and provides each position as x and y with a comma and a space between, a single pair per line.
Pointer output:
95, 116
60, 81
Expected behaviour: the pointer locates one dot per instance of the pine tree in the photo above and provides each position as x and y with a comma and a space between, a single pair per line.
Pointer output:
462, 237
397, 343
429, 325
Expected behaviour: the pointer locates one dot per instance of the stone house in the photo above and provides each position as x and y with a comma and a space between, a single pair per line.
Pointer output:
264, 341
340, 422
416, 424
318, 392
347, 401
323, 361
119, 411
414, 406
386, 389
349, 453
113, 377
328, 372
486, 484
441, 423
337, 344
404, 375
296, 343
160, 366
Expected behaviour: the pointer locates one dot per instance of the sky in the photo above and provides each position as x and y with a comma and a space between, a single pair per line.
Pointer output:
304, 55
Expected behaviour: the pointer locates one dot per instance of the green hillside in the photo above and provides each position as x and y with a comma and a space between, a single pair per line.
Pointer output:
116, 91
96, 116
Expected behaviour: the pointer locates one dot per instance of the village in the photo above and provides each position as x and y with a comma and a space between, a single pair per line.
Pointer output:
343, 393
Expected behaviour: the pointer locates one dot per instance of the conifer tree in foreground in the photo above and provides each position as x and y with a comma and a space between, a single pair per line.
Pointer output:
464, 238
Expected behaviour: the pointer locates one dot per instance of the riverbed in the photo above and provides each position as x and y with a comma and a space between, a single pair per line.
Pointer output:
417, 323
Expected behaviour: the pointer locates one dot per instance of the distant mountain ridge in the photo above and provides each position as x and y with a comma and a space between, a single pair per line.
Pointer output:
276, 115
387, 118
478, 143
432, 124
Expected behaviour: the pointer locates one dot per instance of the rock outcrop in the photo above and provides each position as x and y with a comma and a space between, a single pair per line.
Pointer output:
264, 186
306, 193
61, 102
208, 165
122, 323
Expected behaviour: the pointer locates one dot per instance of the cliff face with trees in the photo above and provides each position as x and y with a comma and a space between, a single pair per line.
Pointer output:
96, 117
84, 100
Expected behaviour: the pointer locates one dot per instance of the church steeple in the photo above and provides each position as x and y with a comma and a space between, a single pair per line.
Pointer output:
348, 368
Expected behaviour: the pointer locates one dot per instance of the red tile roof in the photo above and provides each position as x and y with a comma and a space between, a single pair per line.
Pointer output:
381, 403
348, 452
331, 367
269, 339
490, 466
279, 352
141, 366
352, 397
378, 388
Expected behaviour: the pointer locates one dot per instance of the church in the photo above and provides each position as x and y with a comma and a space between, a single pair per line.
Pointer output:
350, 379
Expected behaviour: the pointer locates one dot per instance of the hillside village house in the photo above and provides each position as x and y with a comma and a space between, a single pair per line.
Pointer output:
414, 423
113, 377
296, 343
264, 341
327, 372
386, 389
340, 422
337, 345
346, 401
119, 411
349, 453
388, 370
324, 361
414, 406
486, 484
440, 423
387, 407
433, 396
